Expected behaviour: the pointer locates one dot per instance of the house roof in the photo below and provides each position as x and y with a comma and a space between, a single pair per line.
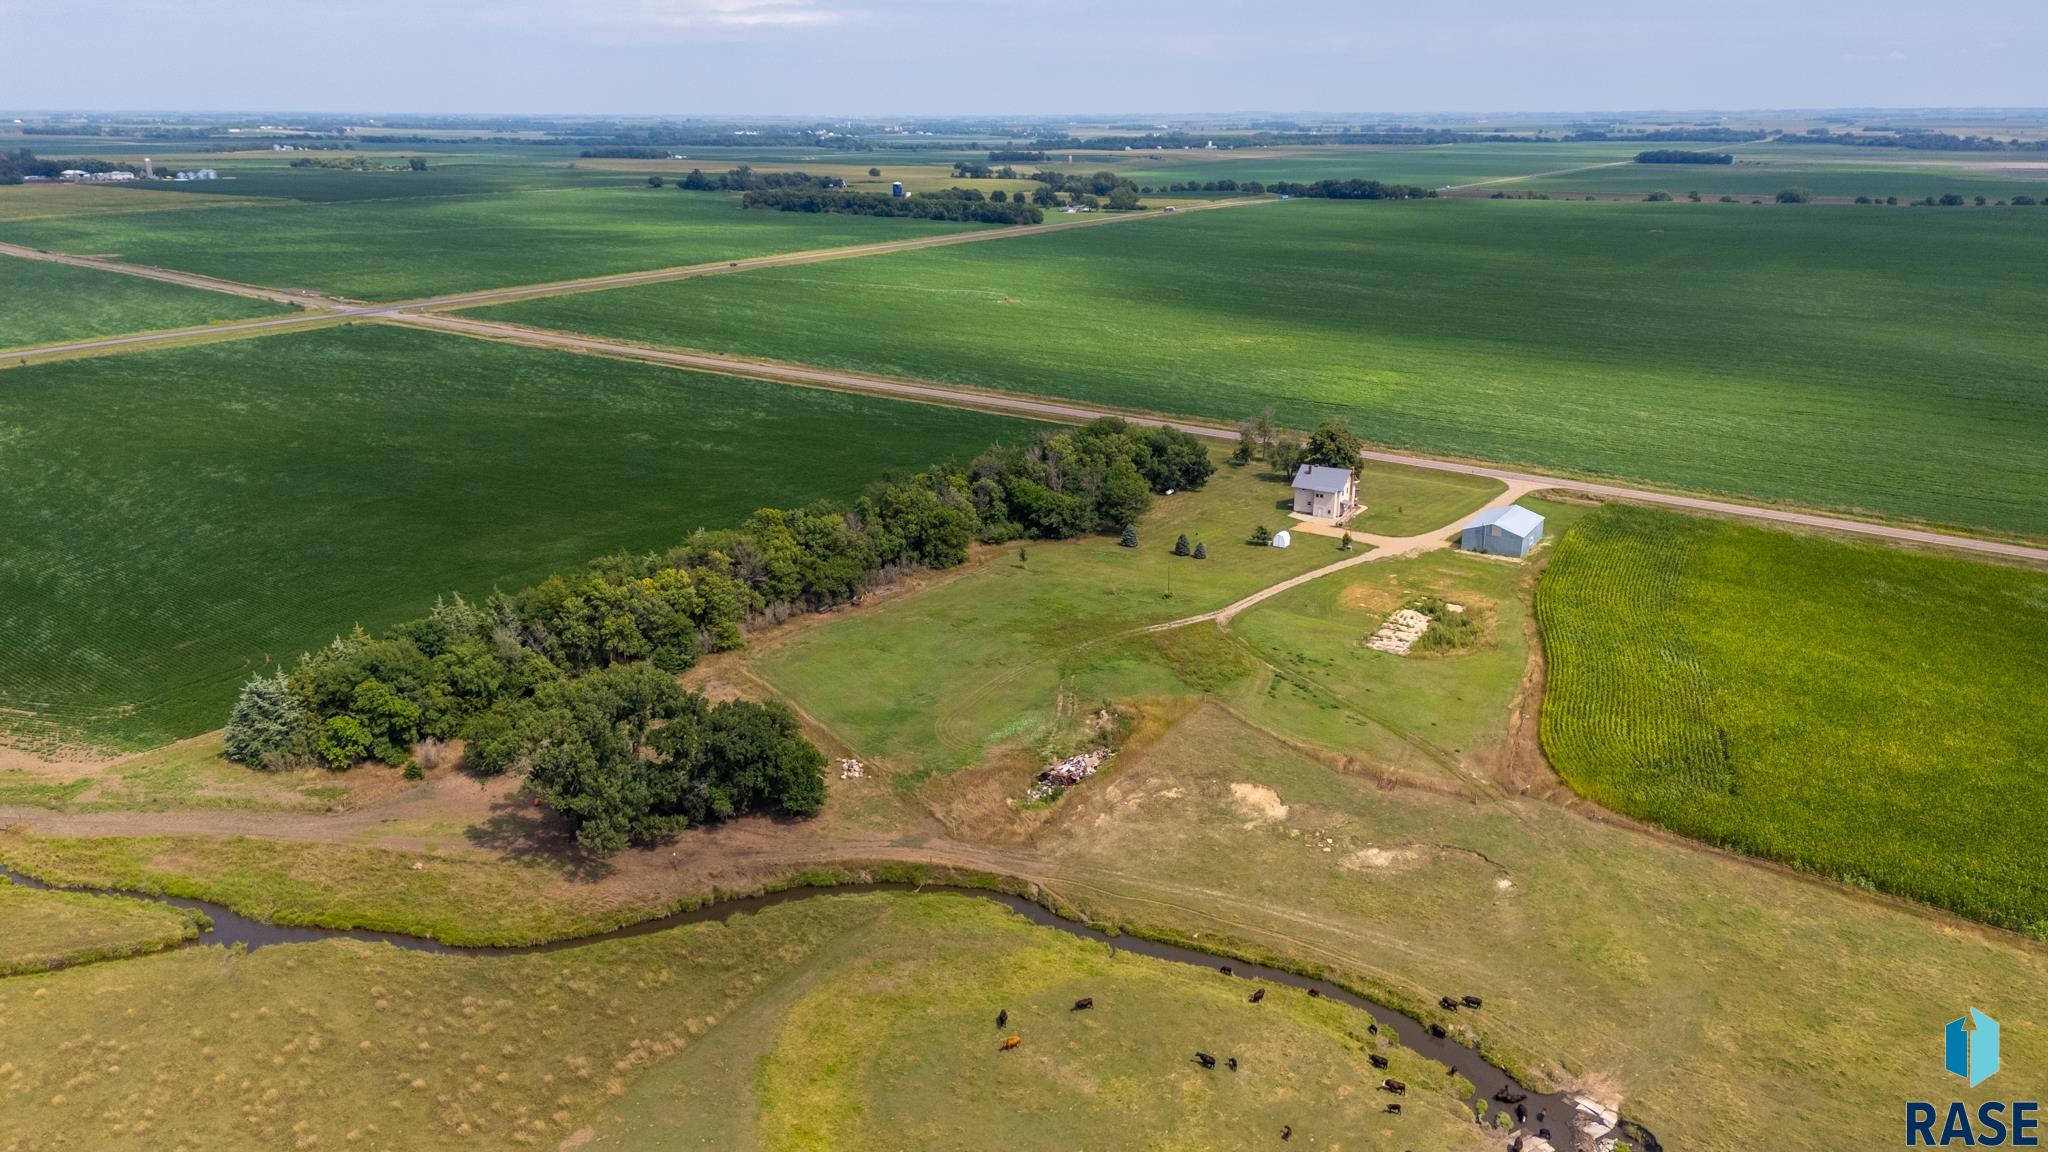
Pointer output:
1317, 478
1513, 518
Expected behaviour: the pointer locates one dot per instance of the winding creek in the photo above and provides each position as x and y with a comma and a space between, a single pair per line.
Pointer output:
231, 928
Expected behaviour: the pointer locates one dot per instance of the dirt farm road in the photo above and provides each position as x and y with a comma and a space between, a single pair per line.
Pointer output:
429, 312
326, 309
1063, 412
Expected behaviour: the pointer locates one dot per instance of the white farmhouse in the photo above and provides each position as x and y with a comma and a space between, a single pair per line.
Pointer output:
1325, 493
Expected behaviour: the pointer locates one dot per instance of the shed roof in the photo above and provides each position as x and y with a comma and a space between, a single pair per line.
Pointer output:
1513, 518
1317, 478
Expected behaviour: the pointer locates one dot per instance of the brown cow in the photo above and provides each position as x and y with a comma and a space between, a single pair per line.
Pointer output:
1084, 1003
1397, 1087
1012, 1042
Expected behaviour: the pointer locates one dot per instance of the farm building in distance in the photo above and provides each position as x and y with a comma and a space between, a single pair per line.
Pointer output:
1509, 531
1328, 493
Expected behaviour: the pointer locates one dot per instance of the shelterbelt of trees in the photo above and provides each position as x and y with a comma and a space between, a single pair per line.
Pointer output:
571, 682
962, 204
1682, 156
16, 164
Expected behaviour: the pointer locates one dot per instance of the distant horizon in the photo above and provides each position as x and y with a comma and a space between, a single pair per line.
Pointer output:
784, 57
1550, 115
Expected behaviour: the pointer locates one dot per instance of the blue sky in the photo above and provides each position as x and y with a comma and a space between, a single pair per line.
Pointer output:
1011, 57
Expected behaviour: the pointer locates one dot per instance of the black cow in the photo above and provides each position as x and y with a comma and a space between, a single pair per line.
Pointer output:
1226, 970
1258, 996
1003, 1018
1448, 1004
1084, 1003
1231, 1063
1394, 1108
1437, 1030
1205, 1060
1378, 1061
1510, 1096
1397, 1087
1373, 1028
1474, 1002
1286, 1132
1315, 991
1521, 1114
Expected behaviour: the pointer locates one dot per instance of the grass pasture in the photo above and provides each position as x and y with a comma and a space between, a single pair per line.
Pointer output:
1865, 713
180, 519
80, 303
1863, 360
383, 249
53, 929
932, 682
680, 1038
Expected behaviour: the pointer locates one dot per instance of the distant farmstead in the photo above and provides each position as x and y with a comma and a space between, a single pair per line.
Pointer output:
1509, 531
1328, 493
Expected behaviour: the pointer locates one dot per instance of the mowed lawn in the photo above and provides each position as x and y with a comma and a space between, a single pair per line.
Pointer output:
993, 658
1869, 714
50, 303
179, 519
1853, 359
403, 247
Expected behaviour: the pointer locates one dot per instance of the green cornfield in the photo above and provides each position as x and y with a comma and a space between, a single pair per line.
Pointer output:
1867, 713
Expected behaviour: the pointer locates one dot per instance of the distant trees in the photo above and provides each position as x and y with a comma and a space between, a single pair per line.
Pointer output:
654, 181
1352, 190
1658, 197
1794, 196
1682, 156
961, 204
874, 172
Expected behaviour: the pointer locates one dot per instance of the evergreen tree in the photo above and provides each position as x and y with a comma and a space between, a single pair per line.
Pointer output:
1344, 545
1180, 546
1260, 536
1201, 551
268, 726
1130, 537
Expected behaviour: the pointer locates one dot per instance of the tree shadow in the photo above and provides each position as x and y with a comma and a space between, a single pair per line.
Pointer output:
516, 828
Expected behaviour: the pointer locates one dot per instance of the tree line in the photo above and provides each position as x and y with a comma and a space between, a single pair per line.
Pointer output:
18, 164
966, 205
1353, 189
570, 682
745, 179
1681, 156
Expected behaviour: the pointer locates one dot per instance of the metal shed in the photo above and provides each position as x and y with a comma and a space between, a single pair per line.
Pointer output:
1509, 531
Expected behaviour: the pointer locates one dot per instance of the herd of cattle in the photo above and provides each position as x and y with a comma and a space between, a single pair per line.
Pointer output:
1390, 1084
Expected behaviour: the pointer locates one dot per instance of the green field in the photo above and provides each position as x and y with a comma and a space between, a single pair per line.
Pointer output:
180, 519
1759, 174
398, 248
759, 1033
79, 303
1883, 361
1431, 166
1868, 714
934, 683
53, 929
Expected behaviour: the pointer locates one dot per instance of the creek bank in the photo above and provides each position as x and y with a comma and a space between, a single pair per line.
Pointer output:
1490, 1083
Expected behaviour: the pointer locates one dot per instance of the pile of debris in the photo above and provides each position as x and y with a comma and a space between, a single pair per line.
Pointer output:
851, 770
1400, 632
1067, 773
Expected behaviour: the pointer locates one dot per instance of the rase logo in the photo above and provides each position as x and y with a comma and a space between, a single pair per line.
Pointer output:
1970, 1053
